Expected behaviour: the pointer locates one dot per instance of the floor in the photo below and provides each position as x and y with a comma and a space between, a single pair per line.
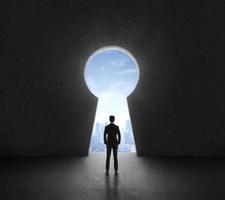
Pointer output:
83, 178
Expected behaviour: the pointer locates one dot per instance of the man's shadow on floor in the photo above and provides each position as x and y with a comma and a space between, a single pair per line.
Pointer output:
112, 185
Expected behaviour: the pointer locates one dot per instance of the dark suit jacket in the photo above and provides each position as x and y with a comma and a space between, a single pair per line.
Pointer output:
110, 134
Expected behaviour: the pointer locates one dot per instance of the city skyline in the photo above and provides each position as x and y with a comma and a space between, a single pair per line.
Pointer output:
127, 141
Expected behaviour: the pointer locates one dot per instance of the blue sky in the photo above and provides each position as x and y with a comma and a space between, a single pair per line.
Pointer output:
111, 74
111, 70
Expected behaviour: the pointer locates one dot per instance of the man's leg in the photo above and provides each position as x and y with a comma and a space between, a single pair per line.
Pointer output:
108, 154
115, 157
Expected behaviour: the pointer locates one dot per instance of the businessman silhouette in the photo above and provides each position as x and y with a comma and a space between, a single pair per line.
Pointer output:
112, 140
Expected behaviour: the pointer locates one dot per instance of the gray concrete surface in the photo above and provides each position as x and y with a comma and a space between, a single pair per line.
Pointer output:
83, 178
177, 107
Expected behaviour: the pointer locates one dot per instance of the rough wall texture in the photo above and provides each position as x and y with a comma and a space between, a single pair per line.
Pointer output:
177, 107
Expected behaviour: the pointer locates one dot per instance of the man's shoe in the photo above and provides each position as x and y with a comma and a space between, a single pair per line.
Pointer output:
116, 173
107, 173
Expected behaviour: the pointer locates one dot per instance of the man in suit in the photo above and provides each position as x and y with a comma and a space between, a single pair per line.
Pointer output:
112, 139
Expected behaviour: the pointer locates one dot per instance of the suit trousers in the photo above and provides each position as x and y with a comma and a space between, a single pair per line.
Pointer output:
113, 147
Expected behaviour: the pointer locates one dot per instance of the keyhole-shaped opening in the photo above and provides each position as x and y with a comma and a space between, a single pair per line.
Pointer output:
111, 74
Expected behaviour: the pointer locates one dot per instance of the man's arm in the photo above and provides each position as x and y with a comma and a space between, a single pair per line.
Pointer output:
105, 141
119, 136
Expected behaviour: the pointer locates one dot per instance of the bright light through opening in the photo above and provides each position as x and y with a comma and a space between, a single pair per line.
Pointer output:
111, 74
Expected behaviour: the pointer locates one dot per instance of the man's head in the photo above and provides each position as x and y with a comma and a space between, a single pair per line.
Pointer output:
111, 118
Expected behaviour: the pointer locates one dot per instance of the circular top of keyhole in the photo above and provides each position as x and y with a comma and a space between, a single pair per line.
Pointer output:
111, 70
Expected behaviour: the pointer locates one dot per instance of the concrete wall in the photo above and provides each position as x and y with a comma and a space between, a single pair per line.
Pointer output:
177, 107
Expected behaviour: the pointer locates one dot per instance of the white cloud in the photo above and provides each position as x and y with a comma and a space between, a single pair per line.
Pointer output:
127, 71
122, 87
118, 63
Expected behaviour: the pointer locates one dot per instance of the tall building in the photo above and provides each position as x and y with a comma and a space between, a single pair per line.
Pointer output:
128, 127
93, 143
129, 133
